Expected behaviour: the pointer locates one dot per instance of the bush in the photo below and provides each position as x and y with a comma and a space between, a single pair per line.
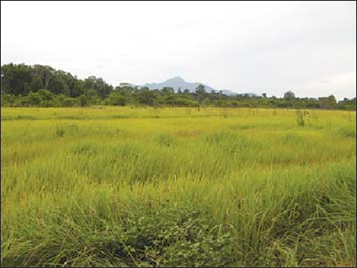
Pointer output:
301, 117
34, 98
177, 238
116, 99
69, 102
83, 101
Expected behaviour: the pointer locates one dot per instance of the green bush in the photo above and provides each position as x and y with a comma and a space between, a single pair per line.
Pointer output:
83, 101
116, 99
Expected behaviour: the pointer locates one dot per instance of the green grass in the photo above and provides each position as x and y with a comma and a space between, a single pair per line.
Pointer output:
108, 186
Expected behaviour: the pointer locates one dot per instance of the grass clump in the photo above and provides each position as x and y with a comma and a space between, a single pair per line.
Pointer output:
301, 117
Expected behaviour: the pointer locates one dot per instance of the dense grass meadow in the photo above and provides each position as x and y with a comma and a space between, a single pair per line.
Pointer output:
106, 186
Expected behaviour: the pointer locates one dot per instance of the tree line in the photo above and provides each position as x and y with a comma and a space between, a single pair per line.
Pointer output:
24, 86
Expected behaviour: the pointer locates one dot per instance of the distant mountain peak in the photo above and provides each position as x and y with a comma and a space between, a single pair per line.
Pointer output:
177, 78
178, 82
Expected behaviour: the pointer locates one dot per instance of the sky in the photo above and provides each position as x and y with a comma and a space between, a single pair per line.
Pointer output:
258, 47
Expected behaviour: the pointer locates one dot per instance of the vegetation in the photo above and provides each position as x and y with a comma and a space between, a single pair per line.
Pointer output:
148, 186
23, 86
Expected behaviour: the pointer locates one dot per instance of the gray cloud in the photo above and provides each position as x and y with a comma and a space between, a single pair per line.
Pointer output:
242, 46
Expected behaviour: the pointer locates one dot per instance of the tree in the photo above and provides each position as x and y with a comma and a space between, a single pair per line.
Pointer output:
146, 96
200, 92
167, 90
101, 88
186, 91
16, 79
36, 83
45, 73
289, 95
200, 89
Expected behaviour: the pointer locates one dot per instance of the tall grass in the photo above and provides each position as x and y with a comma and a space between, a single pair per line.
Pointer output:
177, 187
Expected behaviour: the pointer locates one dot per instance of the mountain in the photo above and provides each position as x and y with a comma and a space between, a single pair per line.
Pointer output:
178, 82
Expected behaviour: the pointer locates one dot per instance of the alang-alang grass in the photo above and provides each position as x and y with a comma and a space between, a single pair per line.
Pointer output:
108, 186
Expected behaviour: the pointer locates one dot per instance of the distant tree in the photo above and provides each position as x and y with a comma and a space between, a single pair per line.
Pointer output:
327, 102
68, 84
289, 95
200, 89
167, 90
16, 79
101, 88
45, 73
36, 83
200, 92
347, 104
146, 96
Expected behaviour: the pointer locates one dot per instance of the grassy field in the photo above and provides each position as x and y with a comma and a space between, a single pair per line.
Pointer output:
108, 186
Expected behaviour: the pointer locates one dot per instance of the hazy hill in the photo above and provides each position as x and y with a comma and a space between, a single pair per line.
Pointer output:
179, 83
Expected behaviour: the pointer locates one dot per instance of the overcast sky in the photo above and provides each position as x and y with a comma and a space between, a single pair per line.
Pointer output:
308, 47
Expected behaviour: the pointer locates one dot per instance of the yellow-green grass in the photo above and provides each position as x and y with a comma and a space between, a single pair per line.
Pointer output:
107, 186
